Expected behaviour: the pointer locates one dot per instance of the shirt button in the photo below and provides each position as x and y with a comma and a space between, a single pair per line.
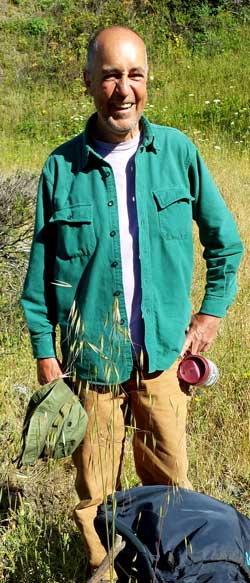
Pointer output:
107, 173
110, 203
116, 293
122, 321
114, 264
112, 234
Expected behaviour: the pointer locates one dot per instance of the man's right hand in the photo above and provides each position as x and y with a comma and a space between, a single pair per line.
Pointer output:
48, 369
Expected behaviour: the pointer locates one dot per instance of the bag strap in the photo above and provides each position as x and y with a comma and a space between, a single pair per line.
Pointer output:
127, 532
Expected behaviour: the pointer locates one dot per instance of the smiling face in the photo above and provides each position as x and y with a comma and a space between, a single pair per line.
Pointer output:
117, 79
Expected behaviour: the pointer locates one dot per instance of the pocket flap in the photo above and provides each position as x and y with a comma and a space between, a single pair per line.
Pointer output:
79, 213
168, 196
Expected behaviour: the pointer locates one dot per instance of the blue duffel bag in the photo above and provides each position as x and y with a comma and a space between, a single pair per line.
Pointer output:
173, 534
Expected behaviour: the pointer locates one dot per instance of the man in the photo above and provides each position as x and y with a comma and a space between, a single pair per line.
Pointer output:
111, 262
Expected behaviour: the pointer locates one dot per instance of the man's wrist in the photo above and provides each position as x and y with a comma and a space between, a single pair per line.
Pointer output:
203, 316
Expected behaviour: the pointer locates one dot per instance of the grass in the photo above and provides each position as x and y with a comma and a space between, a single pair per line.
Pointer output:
197, 83
220, 418
201, 88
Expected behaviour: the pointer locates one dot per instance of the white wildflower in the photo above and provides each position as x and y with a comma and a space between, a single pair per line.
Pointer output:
21, 389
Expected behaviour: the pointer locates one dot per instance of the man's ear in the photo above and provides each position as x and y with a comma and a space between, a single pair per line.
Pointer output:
87, 81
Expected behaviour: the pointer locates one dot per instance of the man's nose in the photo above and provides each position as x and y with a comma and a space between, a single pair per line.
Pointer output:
122, 86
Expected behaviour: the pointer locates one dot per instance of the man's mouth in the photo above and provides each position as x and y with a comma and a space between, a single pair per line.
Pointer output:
122, 106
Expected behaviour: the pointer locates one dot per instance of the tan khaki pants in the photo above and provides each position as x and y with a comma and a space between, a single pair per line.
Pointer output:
159, 409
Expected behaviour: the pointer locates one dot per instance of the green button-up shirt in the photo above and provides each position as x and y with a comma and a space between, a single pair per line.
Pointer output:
75, 274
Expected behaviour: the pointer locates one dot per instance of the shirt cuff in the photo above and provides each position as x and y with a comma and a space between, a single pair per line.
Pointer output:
214, 306
43, 346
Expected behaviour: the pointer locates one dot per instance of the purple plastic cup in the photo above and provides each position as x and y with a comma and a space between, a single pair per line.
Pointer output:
195, 369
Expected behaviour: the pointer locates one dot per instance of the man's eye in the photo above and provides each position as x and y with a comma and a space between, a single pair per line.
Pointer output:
109, 77
137, 76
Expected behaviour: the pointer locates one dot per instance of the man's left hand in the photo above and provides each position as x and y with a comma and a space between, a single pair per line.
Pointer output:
202, 331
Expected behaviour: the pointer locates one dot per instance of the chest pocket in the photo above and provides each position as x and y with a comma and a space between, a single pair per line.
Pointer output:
74, 231
174, 207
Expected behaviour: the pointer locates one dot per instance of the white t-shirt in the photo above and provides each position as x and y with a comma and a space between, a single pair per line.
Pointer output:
121, 158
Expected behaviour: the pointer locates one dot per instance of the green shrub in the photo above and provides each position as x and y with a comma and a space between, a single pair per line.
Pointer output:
36, 26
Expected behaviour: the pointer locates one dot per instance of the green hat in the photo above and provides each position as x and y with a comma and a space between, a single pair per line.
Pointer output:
54, 425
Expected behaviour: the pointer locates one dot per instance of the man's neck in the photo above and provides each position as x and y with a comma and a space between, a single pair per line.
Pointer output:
104, 134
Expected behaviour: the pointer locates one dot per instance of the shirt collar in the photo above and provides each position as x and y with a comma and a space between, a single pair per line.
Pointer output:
149, 138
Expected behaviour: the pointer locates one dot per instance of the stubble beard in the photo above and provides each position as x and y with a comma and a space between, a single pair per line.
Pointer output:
114, 126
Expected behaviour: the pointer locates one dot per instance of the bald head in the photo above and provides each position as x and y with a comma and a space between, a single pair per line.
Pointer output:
111, 34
